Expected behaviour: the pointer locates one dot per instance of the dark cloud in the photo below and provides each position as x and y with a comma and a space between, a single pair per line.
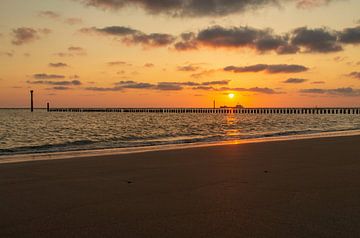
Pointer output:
219, 82
262, 40
355, 75
337, 91
300, 40
168, 86
321, 40
240, 37
295, 80
58, 83
134, 85
129, 84
177, 86
25, 35
206, 88
49, 14
133, 37
73, 21
58, 65
271, 69
350, 35
192, 84
48, 76
254, 90
196, 8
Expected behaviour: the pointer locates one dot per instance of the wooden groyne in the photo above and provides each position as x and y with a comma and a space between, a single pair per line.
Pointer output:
216, 110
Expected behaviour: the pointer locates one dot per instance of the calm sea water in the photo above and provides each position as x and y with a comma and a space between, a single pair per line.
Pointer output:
23, 132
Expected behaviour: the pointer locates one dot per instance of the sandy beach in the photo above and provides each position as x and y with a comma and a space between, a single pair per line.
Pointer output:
300, 188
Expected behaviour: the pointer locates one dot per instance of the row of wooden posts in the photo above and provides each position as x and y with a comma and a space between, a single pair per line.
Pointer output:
216, 110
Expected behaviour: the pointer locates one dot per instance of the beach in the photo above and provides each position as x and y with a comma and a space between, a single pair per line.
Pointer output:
295, 188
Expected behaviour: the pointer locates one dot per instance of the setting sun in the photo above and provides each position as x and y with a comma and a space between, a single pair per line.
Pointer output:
231, 95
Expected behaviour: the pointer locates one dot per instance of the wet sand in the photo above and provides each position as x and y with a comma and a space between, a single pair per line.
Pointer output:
303, 188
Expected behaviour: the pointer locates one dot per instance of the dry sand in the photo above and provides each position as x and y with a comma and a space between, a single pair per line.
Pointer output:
304, 188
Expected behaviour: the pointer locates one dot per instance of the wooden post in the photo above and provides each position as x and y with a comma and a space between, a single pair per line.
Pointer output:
31, 100
48, 107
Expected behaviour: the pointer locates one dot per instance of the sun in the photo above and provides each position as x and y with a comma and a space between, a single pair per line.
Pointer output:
231, 95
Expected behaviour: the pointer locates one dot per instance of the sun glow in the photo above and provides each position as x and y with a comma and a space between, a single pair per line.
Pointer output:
231, 95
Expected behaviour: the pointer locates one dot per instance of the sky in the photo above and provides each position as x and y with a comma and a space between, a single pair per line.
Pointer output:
180, 53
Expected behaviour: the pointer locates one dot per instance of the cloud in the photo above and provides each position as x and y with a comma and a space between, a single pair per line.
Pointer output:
75, 76
350, 35
6, 53
311, 3
320, 40
60, 88
271, 69
24, 35
58, 83
73, 21
196, 8
77, 50
299, 40
261, 40
117, 63
203, 73
149, 65
350, 92
134, 85
188, 68
354, 74
295, 80
56, 16
219, 82
177, 86
102, 89
48, 76
133, 37
318, 82
58, 65
49, 14
169, 86
72, 51
162, 86
253, 90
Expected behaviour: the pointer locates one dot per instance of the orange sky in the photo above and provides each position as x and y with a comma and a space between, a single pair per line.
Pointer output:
179, 53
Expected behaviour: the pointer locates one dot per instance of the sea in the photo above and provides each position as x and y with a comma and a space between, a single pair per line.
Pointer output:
23, 132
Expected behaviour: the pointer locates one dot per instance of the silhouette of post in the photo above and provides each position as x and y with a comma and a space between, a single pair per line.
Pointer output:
214, 104
31, 100
48, 107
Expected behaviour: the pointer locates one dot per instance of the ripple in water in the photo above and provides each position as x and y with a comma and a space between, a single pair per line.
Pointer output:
22, 132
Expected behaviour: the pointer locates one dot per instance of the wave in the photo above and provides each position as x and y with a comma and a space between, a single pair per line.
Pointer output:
143, 141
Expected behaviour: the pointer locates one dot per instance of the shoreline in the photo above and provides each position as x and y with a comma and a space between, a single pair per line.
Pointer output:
19, 158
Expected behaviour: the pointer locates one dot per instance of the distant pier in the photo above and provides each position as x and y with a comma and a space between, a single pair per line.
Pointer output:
216, 110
